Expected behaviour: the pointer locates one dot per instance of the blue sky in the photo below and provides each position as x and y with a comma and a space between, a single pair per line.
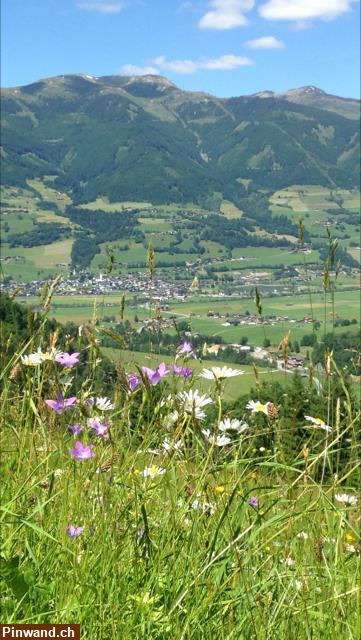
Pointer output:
224, 47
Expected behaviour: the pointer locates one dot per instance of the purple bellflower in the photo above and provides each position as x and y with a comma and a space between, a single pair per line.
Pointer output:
186, 349
73, 532
60, 405
181, 371
133, 381
67, 359
253, 502
99, 428
154, 376
75, 429
81, 452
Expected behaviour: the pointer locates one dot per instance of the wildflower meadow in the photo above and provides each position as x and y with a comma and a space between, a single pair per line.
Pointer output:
154, 509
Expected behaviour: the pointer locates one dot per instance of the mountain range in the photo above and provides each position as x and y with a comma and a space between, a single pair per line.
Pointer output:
143, 138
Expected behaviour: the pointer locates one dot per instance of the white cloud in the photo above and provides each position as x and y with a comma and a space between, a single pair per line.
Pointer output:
226, 14
303, 10
266, 42
178, 66
222, 63
101, 7
134, 70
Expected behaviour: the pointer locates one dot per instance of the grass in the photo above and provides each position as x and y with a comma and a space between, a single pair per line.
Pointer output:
309, 202
310, 197
230, 210
231, 542
104, 205
182, 536
46, 255
48, 193
233, 388
79, 309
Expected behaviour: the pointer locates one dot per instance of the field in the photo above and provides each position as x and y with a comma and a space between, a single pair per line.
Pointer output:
105, 205
315, 205
161, 224
143, 518
234, 387
80, 309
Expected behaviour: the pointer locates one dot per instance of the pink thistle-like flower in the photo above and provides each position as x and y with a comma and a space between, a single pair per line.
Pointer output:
82, 452
67, 359
61, 404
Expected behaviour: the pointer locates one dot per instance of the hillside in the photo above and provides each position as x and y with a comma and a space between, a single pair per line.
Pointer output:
157, 143
315, 97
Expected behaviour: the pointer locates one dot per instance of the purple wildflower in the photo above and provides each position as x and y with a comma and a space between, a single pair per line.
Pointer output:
82, 452
181, 371
75, 429
186, 348
133, 381
176, 370
99, 428
253, 502
73, 532
186, 372
67, 359
154, 376
61, 404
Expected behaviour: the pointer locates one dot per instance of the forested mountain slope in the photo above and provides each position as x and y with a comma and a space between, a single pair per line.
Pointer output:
142, 138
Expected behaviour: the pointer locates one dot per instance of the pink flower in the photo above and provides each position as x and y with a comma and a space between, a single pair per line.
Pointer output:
73, 532
67, 359
154, 376
133, 381
186, 348
75, 429
100, 429
61, 404
81, 452
181, 371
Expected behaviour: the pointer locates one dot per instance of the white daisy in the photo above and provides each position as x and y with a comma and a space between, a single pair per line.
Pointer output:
153, 472
233, 424
257, 407
220, 373
299, 585
172, 446
219, 441
34, 359
103, 404
205, 507
303, 535
346, 499
318, 422
222, 441
192, 403
171, 419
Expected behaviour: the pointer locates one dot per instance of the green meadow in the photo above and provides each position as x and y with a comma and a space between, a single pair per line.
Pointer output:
136, 516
